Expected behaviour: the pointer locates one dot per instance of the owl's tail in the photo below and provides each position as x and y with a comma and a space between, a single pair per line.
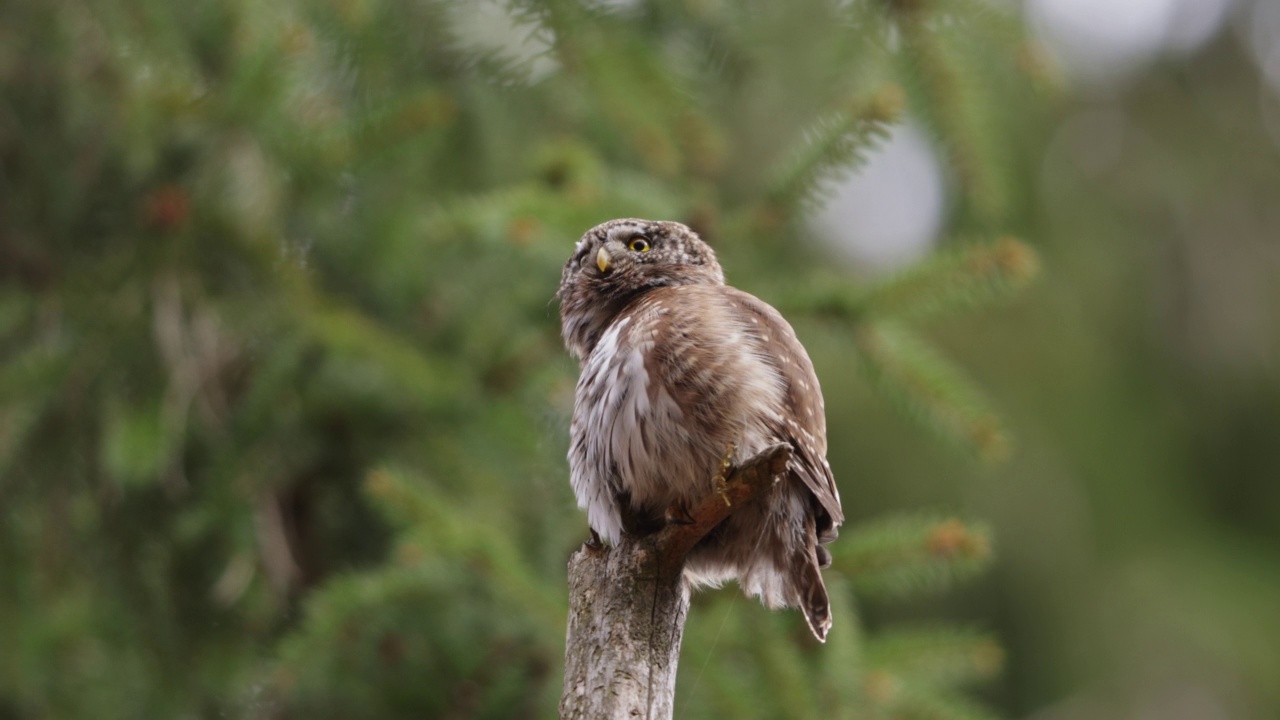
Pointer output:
810, 593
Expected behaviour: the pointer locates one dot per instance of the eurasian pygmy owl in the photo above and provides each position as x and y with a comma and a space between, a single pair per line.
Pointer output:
678, 372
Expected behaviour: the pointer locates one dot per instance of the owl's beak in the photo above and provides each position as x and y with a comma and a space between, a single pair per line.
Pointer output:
603, 260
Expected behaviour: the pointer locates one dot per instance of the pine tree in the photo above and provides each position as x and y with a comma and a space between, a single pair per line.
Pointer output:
283, 402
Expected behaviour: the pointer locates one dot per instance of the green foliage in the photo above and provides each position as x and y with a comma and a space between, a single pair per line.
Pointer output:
937, 658
958, 279
375, 645
900, 363
283, 402
904, 556
832, 145
929, 388
954, 62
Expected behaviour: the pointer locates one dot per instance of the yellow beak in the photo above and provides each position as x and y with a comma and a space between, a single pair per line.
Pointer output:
603, 261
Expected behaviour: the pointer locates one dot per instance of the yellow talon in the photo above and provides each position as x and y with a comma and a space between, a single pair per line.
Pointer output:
721, 482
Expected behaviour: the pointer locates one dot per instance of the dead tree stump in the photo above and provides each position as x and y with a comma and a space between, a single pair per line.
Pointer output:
628, 604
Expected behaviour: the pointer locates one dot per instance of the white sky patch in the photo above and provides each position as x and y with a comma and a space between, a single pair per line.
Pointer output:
1261, 28
1102, 43
1194, 23
890, 210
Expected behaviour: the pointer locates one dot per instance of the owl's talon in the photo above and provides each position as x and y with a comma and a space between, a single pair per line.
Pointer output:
721, 479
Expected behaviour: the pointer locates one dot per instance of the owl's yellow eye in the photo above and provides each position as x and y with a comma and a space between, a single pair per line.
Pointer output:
639, 245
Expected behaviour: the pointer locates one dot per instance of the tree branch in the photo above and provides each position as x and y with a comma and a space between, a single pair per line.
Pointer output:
627, 605
744, 484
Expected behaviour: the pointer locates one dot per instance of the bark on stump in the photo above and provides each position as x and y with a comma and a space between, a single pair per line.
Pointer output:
628, 604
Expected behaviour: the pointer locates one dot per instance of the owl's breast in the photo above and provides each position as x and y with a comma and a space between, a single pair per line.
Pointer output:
676, 381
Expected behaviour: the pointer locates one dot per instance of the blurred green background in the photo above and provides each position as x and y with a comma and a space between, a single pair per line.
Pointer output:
284, 408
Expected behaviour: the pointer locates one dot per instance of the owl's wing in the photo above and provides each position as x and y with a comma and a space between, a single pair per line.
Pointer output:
803, 422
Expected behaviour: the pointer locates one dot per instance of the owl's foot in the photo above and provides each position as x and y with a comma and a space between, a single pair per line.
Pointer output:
678, 514
720, 481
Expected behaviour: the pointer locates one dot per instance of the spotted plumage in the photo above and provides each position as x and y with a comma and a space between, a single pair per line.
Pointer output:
677, 370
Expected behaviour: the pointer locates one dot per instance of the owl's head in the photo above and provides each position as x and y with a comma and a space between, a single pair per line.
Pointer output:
616, 262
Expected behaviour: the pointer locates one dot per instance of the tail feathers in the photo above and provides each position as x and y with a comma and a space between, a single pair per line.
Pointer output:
811, 596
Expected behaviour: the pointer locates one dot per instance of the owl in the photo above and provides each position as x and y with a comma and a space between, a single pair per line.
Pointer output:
679, 373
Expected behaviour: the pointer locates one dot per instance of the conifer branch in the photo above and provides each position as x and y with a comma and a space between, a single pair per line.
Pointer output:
936, 657
946, 282
954, 104
833, 146
429, 521
744, 484
950, 281
929, 388
900, 364
898, 556
910, 703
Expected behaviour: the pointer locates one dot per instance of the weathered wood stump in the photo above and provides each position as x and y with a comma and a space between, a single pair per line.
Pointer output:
628, 604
